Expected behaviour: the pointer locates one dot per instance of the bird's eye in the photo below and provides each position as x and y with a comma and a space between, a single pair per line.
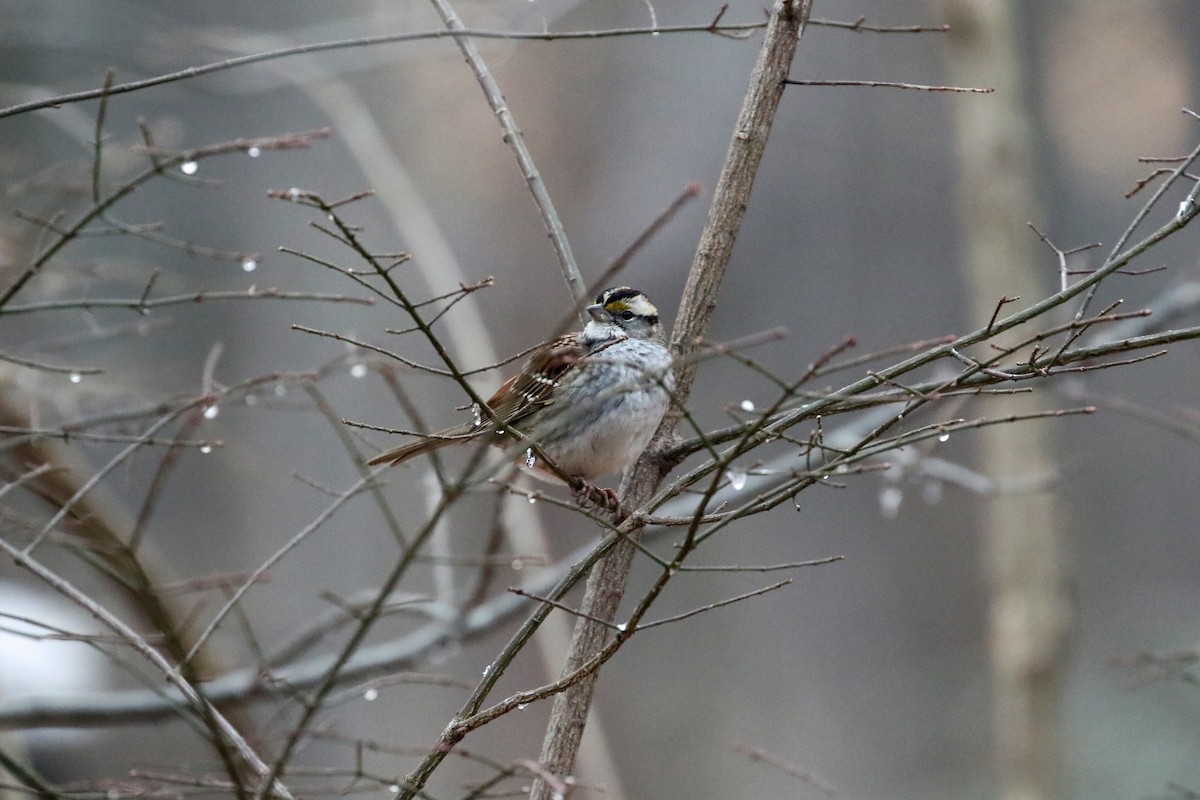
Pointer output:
627, 316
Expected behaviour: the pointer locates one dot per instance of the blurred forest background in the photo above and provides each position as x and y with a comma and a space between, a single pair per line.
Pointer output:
872, 673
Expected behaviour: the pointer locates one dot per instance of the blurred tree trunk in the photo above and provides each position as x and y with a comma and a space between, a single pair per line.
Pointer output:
1029, 609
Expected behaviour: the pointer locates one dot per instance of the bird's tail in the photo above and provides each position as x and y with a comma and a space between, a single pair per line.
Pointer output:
426, 445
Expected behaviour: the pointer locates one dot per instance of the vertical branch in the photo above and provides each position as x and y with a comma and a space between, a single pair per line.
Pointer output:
1030, 611
606, 583
732, 193
516, 140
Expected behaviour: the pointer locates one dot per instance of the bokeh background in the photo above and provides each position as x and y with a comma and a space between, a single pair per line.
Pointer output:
872, 673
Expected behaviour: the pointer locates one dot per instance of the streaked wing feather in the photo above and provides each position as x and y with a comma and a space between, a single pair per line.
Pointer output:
533, 386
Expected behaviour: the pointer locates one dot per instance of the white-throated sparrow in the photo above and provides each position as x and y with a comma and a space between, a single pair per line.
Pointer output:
591, 400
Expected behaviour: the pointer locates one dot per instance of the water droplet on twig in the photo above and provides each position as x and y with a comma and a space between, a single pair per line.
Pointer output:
737, 478
358, 371
212, 411
747, 405
249, 264
75, 377
530, 458
189, 167
371, 694
254, 151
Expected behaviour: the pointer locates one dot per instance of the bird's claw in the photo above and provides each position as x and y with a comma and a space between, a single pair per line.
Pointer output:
604, 499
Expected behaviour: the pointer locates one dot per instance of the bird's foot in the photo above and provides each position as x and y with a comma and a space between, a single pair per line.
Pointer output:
603, 499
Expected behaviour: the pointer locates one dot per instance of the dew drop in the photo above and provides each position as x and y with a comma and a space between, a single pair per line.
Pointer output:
358, 371
737, 478
530, 458
522, 706
331, 217
75, 377
518, 564
212, 411
249, 264
621, 626
189, 167
254, 151
280, 390
747, 405
945, 437
206, 449
371, 694
251, 400
532, 499
477, 413
394, 788
294, 193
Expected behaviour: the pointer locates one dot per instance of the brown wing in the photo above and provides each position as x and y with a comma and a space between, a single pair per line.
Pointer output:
533, 386
519, 396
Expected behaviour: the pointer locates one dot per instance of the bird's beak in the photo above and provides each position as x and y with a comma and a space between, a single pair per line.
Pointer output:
597, 312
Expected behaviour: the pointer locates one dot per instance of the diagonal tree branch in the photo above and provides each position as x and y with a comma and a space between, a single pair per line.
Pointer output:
606, 584
516, 140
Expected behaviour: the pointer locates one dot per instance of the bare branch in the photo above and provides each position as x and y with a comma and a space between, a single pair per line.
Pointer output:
891, 85
367, 41
516, 140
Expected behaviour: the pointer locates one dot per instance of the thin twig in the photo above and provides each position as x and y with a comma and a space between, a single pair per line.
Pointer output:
143, 303
803, 775
516, 140
891, 85
368, 41
131, 638
38, 365
720, 603
860, 26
